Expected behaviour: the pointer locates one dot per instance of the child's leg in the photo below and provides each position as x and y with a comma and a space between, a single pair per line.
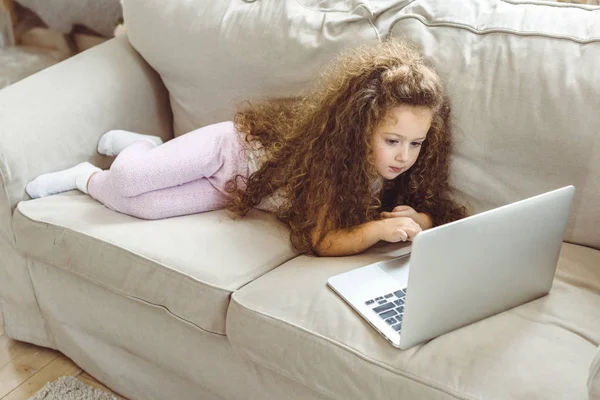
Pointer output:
142, 167
190, 198
111, 143
169, 180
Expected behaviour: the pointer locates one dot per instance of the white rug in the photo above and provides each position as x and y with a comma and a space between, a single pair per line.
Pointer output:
70, 388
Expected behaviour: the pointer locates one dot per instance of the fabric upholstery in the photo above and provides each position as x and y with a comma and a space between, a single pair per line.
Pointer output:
540, 350
143, 352
594, 379
188, 265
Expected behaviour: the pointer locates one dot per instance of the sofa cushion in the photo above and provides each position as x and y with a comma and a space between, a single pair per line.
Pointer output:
523, 80
187, 265
211, 54
542, 349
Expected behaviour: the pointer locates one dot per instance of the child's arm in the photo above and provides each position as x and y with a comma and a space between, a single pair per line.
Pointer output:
345, 242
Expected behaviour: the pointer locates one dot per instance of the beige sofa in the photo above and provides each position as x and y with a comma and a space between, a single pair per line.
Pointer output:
204, 307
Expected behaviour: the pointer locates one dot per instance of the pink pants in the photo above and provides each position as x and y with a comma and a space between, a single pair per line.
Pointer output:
186, 175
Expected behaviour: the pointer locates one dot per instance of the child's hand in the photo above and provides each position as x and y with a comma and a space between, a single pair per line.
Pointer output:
401, 211
406, 211
398, 229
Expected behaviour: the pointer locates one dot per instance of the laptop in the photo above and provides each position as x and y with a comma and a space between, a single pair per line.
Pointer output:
462, 272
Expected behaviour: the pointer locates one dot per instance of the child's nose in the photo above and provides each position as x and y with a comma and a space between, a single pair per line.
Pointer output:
402, 155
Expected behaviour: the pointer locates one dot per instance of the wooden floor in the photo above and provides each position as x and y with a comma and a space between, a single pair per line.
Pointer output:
25, 369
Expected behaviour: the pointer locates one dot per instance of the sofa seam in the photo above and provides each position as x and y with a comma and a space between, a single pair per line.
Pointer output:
479, 32
346, 11
585, 7
332, 11
582, 245
3, 176
377, 34
361, 5
355, 352
594, 372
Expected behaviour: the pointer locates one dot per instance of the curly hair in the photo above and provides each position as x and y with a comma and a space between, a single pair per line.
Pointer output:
318, 147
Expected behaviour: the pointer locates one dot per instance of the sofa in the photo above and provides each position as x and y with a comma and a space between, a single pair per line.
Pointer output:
208, 307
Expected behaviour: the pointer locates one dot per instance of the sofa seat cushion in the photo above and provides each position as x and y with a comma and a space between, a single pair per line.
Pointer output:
188, 265
542, 349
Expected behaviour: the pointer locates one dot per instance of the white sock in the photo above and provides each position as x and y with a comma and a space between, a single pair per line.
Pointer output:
113, 142
57, 182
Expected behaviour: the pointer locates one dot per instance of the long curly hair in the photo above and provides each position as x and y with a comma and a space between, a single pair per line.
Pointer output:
319, 157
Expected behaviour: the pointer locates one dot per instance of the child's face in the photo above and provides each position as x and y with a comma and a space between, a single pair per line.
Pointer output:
397, 142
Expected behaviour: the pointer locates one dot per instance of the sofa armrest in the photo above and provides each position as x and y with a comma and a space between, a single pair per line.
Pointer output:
54, 119
594, 378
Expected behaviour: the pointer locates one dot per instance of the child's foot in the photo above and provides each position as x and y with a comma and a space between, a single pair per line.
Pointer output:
57, 182
113, 142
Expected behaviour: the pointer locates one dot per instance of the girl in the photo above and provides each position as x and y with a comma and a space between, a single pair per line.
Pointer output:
362, 158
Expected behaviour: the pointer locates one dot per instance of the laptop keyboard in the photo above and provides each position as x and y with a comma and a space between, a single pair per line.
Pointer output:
390, 307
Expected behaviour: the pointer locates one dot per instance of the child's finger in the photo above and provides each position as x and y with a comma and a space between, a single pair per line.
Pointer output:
387, 214
412, 232
416, 225
395, 214
402, 235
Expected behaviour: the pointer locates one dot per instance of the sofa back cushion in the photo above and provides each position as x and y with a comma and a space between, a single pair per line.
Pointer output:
212, 54
522, 77
524, 80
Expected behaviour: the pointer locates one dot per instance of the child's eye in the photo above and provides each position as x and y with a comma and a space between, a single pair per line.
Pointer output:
416, 144
391, 141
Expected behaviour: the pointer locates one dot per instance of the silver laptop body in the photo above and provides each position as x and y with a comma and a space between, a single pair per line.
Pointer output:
463, 271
